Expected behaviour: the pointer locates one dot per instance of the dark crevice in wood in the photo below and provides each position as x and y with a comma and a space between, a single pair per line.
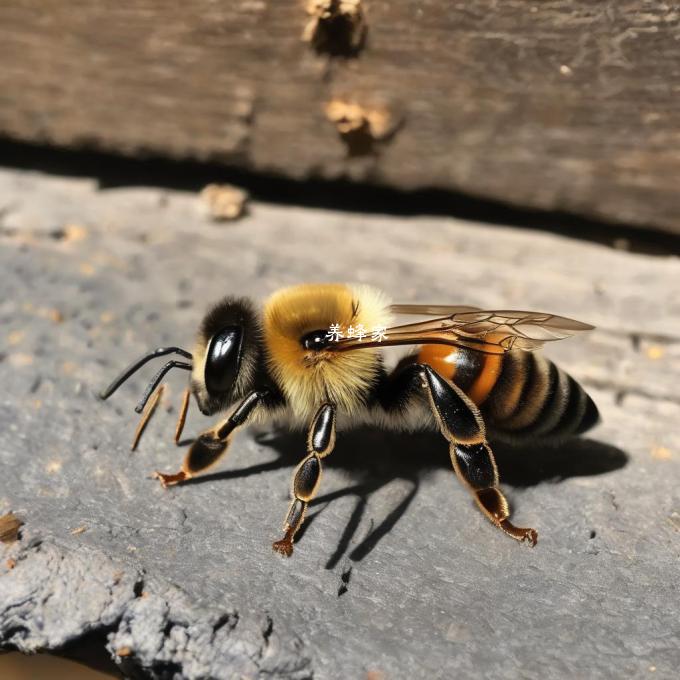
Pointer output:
111, 170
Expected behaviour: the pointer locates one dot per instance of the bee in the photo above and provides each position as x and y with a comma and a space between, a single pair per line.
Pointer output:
470, 374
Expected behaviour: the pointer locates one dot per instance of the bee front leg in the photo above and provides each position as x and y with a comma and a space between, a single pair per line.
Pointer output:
212, 444
149, 410
182, 417
460, 422
320, 442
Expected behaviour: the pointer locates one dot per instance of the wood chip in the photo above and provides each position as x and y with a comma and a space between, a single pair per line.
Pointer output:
224, 202
9, 527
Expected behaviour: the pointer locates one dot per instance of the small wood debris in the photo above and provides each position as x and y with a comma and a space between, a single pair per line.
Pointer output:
11, 563
224, 202
16, 337
336, 27
9, 527
123, 651
74, 232
78, 530
360, 126
375, 675
53, 466
55, 315
655, 352
661, 453
20, 359
349, 117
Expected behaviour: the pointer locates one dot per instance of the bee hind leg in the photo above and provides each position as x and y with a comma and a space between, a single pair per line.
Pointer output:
212, 444
461, 424
476, 468
320, 442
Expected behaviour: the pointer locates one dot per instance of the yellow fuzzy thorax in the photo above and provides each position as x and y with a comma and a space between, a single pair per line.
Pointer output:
309, 378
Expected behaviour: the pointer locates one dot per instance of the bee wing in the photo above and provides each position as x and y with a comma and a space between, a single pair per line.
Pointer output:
432, 310
490, 331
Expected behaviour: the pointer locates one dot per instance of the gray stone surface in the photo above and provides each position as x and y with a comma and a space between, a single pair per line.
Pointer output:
397, 575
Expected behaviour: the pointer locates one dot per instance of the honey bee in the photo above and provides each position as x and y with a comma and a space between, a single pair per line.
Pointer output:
469, 373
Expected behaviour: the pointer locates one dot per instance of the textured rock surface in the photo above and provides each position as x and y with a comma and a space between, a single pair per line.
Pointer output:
396, 574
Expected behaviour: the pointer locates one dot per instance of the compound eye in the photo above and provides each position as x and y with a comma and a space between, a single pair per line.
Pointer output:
223, 359
316, 340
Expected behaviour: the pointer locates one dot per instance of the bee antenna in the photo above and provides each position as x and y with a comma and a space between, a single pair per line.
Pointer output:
133, 368
157, 378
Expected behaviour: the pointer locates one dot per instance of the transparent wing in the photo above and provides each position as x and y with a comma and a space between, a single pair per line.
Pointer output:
491, 331
432, 310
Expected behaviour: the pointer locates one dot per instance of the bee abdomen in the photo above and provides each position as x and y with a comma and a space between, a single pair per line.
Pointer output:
533, 398
521, 394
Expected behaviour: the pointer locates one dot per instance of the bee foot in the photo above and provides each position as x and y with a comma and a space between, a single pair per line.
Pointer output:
519, 533
284, 547
170, 480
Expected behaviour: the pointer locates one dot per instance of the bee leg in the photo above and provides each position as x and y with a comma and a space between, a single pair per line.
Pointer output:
475, 466
182, 418
146, 416
212, 444
460, 422
320, 442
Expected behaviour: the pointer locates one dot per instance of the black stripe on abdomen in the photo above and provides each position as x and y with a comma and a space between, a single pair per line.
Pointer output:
504, 398
551, 404
468, 367
591, 416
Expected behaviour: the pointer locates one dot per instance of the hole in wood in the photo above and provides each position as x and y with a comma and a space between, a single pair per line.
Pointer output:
336, 27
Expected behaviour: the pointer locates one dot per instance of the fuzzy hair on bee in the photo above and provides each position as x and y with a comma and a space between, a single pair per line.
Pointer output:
467, 372
309, 377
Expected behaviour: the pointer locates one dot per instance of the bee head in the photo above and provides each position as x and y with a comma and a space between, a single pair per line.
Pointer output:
226, 356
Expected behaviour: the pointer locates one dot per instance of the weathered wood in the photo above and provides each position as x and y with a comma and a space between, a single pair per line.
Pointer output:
567, 105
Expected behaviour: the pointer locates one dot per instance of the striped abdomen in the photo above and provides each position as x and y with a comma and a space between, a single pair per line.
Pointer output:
521, 394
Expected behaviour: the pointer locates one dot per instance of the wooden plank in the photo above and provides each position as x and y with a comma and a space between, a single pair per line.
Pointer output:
561, 105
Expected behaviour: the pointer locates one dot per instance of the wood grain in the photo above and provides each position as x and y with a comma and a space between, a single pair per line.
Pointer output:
554, 105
